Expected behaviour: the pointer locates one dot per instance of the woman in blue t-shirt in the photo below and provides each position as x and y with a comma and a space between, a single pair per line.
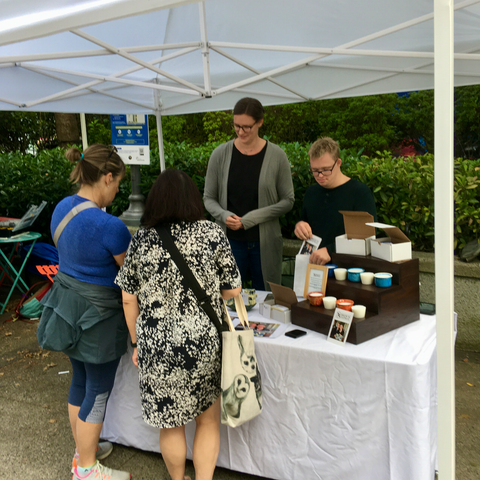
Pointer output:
83, 314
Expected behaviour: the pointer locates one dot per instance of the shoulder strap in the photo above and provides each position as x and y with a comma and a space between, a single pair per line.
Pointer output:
74, 211
202, 298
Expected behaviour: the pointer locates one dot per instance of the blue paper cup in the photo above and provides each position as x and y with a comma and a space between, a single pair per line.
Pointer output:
331, 268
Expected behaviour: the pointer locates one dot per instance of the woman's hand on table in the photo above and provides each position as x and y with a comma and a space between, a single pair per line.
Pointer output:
234, 222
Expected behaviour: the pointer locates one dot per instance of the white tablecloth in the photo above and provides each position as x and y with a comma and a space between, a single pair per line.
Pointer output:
356, 412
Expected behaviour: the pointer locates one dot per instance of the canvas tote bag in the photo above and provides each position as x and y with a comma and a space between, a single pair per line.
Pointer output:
241, 397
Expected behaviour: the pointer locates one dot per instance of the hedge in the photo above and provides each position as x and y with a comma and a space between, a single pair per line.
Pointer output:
403, 187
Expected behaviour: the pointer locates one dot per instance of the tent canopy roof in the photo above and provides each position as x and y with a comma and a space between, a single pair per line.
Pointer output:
143, 56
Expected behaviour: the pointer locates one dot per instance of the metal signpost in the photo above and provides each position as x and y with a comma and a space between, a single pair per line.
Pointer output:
130, 137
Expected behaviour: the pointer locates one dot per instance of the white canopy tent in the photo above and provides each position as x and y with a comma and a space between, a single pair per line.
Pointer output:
172, 57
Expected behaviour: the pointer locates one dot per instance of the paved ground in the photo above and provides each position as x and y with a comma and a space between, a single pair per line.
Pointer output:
35, 438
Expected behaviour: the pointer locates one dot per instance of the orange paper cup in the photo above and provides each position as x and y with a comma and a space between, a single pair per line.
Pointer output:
315, 298
345, 304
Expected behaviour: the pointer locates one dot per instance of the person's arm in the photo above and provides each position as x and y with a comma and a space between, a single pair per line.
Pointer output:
286, 197
119, 259
231, 292
131, 310
320, 256
303, 231
213, 180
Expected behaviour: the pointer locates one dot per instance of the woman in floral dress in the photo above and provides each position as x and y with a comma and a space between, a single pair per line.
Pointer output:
176, 345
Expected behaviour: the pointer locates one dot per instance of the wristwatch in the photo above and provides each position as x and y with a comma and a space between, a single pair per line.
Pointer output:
134, 345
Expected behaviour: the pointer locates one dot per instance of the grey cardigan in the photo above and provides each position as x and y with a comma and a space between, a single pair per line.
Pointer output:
275, 198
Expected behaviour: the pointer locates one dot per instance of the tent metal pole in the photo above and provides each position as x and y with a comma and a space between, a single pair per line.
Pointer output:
83, 126
158, 116
137, 60
112, 79
161, 149
205, 49
254, 70
444, 235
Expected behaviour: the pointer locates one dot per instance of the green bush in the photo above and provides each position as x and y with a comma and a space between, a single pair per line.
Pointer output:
403, 187
27, 180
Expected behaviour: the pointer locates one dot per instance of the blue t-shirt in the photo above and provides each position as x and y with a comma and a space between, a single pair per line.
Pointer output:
88, 243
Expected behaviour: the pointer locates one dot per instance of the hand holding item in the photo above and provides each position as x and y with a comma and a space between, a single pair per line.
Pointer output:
234, 222
303, 230
320, 256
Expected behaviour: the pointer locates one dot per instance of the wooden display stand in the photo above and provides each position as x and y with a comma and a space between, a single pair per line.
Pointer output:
387, 308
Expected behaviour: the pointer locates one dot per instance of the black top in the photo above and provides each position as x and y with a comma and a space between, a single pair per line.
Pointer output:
242, 188
321, 208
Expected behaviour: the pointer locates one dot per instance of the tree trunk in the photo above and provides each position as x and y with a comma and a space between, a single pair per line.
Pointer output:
67, 129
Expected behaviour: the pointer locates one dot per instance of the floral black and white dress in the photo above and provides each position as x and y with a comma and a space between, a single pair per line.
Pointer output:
178, 345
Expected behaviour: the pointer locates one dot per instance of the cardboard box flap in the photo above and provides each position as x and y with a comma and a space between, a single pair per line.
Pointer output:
356, 224
283, 295
395, 234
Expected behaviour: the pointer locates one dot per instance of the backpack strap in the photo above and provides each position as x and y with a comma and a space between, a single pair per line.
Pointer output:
74, 211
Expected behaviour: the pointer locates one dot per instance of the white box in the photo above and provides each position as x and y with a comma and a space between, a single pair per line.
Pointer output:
280, 307
357, 236
396, 247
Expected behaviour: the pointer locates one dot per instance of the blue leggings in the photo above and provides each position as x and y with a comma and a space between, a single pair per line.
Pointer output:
91, 386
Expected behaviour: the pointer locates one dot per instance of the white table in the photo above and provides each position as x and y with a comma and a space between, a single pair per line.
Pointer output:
357, 412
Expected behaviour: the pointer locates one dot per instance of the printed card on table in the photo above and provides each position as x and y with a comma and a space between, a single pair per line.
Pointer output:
341, 322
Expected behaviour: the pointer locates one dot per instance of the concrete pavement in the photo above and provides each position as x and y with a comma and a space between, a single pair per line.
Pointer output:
35, 437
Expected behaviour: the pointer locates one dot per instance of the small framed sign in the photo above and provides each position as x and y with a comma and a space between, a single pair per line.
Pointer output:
316, 280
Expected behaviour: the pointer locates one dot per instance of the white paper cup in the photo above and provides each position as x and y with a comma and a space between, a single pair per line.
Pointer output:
340, 273
329, 303
359, 311
367, 278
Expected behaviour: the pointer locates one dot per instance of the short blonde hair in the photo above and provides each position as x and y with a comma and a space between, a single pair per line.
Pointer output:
322, 146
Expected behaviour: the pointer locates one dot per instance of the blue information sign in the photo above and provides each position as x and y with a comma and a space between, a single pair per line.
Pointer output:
130, 136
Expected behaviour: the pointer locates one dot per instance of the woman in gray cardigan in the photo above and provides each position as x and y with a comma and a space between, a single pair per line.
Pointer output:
247, 188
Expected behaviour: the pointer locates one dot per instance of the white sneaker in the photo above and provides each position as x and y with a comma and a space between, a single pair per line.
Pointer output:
101, 472
104, 449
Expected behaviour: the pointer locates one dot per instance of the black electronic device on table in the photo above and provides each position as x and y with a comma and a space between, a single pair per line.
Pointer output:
295, 333
10, 228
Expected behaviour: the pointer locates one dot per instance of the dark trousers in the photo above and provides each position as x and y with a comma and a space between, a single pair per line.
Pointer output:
247, 256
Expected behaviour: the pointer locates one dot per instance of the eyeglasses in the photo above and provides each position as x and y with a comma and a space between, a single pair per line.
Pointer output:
326, 173
114, 149
245, 128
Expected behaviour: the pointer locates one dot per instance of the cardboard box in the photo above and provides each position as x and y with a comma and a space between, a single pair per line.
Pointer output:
356, 240
275, 309
395, 247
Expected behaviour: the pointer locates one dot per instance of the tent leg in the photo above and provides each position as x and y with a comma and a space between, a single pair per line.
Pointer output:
161, 150
444, 235
83, 126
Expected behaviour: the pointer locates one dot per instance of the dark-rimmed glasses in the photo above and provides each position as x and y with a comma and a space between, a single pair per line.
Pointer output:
114, 149
325, 173
245, 128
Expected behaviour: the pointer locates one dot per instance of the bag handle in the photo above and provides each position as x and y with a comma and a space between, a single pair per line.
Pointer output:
242, 311
228, 319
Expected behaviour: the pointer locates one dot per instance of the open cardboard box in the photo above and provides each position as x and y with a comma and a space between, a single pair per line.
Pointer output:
358, 233
284, 297
396, 247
